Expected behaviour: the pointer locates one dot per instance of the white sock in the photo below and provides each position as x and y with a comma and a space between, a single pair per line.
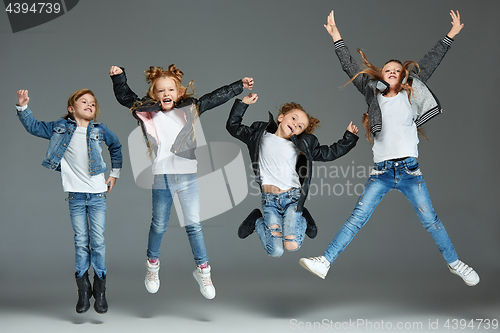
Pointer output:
454, 264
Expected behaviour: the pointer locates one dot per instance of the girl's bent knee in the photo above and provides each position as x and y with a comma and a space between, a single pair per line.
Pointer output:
290, 243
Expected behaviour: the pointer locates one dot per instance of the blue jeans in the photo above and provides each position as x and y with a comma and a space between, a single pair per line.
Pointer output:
406, 177
280, 218
186, 187
87, 212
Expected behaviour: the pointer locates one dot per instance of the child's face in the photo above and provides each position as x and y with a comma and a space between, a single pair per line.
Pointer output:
293, 122
391, 73
166, 92
84, 108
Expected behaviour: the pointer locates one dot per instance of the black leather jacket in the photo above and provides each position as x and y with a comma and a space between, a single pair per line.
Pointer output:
307, 144
185, 142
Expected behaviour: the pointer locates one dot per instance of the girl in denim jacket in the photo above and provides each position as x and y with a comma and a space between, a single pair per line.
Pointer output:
398, 103
75, 150
166, 116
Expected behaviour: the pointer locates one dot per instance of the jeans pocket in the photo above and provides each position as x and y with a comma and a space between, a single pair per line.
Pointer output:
415, 172
377, 170
413, 169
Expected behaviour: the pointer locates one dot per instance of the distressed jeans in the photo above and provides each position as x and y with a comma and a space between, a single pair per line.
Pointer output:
279, 210
406, 177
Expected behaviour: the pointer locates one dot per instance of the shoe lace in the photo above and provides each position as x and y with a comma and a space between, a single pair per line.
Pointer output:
320, 260
152, 276
207, 281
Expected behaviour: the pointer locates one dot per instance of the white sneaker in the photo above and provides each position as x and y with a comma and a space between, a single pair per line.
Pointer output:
152, 280
467, 273
316, 265
202, 276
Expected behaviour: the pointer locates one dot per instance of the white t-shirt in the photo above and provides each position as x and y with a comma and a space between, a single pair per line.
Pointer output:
277, 161
398, 137
75, 169
168, 125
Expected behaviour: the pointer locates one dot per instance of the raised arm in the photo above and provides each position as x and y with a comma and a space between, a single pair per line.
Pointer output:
124, 95
433, 58
234, 125
326, 153
223, 94
41, 129
349, 65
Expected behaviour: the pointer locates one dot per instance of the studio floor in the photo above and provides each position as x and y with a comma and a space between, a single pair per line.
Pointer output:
284, 299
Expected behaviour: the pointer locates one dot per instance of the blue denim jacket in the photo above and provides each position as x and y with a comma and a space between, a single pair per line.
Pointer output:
61, 131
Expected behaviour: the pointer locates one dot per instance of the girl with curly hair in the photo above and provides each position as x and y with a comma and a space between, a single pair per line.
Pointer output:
166, 116
282, 153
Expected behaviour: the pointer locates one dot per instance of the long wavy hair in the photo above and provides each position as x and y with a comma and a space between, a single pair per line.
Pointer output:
376, 73
313, 122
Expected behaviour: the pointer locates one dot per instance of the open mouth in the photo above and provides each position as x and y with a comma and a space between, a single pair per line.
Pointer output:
291, 129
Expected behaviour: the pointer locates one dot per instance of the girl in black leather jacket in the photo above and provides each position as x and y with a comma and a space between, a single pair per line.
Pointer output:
282, 152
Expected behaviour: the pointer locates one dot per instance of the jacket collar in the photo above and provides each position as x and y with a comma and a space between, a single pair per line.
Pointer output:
271, 127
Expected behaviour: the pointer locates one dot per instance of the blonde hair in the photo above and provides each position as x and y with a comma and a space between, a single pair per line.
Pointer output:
153, 74
287, 107
76, 96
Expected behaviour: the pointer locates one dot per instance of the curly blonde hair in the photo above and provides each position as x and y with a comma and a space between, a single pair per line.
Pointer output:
313, 122
153, 74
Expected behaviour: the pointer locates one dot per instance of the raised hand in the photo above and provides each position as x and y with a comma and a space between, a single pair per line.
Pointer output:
250, 99
331, 27
115, 70
457, 25
22, 97
248, 83
352, 128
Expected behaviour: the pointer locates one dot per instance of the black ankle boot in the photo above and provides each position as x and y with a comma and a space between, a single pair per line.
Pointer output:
84, 292
311, 230
248, 225
100, 303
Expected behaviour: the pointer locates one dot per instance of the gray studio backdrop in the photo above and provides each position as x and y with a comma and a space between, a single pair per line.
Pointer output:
285, 48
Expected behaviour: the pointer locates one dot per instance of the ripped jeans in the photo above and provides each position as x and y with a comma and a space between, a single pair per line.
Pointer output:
281, 222
406, 177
